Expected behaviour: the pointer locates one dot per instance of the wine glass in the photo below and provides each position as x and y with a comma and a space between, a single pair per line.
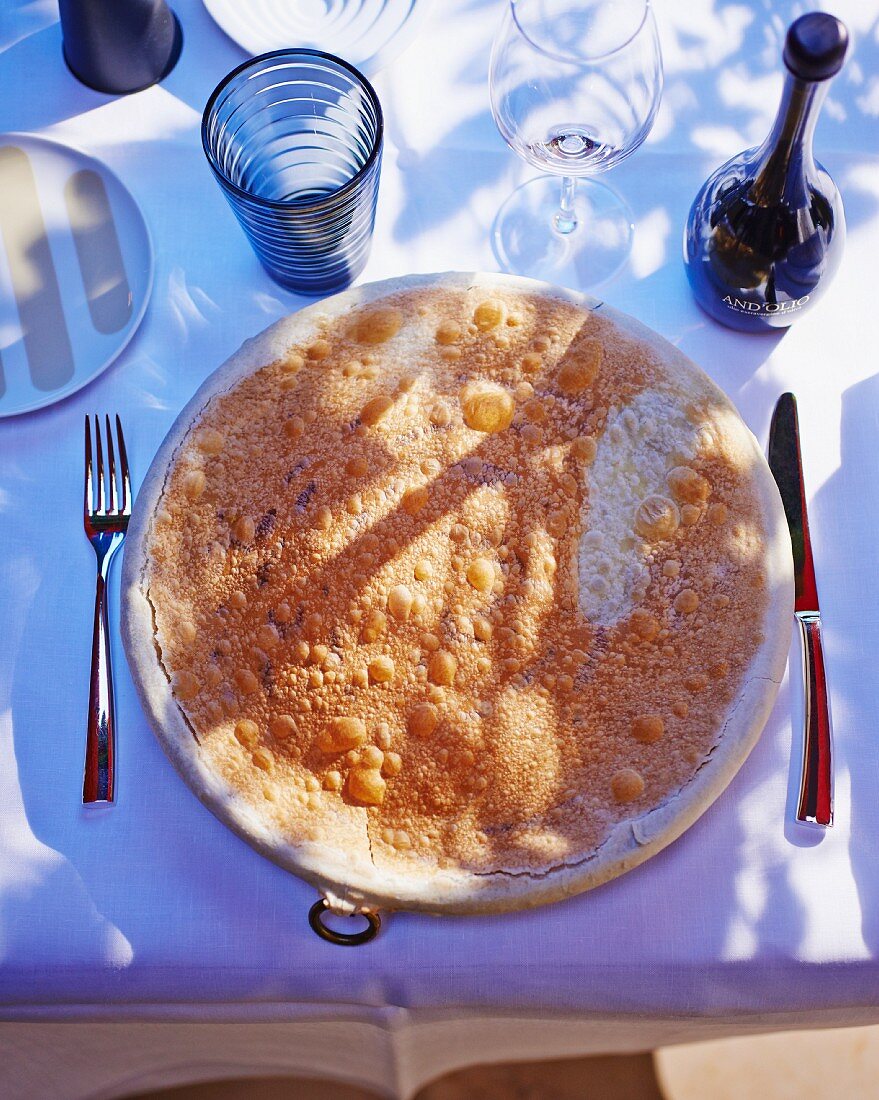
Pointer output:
575, 87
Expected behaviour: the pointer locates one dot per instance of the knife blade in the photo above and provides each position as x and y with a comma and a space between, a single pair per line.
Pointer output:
815, 803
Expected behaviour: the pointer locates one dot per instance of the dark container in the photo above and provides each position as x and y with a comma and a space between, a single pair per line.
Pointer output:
119, 46
766, 232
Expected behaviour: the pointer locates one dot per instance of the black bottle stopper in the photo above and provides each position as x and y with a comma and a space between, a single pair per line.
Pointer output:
119, 46
815, 46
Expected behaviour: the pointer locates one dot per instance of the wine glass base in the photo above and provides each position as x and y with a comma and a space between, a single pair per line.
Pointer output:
527, 241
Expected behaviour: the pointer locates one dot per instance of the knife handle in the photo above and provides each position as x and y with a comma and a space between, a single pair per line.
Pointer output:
816, 787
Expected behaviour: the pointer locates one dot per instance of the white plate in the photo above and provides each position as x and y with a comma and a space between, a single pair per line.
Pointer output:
76, 269
365, 33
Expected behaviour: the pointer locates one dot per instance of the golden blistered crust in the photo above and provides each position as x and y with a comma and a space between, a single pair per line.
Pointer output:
460, 582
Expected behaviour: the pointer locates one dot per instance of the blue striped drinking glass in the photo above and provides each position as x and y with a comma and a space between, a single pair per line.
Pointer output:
294, 139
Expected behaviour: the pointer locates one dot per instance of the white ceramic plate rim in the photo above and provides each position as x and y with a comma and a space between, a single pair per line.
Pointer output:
23, 139
392, 48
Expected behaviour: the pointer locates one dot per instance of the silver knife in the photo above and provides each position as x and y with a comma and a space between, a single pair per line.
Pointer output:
815, 803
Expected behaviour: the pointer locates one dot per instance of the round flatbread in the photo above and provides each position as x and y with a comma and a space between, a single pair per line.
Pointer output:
457, 593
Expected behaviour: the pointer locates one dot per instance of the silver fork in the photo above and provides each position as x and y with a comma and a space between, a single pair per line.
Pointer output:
105, 527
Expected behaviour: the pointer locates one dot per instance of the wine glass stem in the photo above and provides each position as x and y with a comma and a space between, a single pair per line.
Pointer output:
565, 219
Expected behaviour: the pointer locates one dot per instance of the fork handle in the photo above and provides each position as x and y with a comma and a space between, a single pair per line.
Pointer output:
100, 749
816, 787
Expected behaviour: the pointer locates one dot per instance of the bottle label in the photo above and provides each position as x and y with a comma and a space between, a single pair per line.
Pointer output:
743, 305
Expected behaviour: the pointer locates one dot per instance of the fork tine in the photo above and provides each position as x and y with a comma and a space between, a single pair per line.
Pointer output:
87, 491
99, 509
123, 469
111, 465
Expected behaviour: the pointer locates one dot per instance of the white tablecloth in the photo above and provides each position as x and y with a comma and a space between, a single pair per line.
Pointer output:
145, 944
